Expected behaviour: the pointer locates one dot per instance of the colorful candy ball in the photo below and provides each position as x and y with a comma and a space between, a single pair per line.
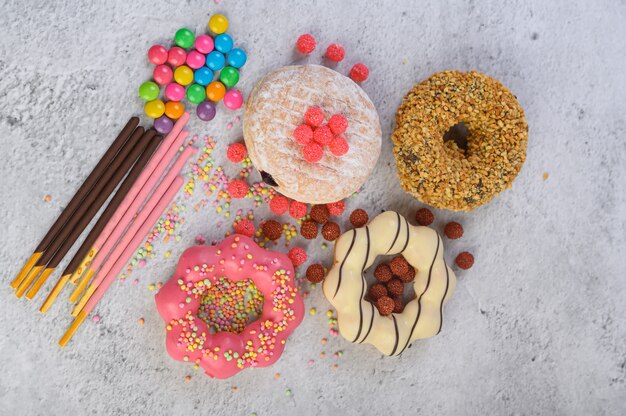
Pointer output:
229, 76
335, 52
162, 74
163, 125
176, 56
233, 99
195, 60
206, 111
149, 91
215, 91
204, 44
174, 92
157, 54
183, 75
223, 43
196, 93
184, 38
218, 24
174, 109
237, 58
215, 60
203, 76
154, 108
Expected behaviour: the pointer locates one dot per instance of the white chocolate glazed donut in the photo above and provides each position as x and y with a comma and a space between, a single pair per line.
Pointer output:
276, 107
344, 287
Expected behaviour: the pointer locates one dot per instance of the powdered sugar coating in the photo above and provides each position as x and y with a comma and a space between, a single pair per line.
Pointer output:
276, 107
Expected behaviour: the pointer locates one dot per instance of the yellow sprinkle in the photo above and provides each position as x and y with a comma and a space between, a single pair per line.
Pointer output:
312, 311
151, 287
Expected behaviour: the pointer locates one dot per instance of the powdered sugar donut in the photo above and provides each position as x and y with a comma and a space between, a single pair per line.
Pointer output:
224, 352
276, 107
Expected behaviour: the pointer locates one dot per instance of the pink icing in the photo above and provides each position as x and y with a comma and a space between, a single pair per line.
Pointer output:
224, 354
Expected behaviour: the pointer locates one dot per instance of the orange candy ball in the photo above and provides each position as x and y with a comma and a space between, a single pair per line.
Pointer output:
174, 109
215, 91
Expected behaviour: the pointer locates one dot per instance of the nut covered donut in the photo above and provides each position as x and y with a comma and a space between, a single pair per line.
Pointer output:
442, 174
223, 353
277, 106
345, 286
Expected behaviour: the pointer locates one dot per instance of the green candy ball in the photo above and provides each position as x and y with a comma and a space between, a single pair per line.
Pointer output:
196, 93
229, 76
184, 38
149, 91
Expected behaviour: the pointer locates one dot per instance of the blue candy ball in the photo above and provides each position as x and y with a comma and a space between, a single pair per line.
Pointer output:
223, 43
203, 76
237, 58
215, 60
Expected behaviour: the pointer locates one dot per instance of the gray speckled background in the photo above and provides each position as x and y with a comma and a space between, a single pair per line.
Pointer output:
537, 326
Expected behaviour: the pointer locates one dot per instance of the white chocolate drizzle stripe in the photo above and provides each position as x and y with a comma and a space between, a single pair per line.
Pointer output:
419, 300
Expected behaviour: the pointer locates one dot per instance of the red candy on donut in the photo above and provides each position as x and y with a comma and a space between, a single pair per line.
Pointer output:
257, 344
323, 135
338, 146
314, 116
313, 152
338, 123
303, 134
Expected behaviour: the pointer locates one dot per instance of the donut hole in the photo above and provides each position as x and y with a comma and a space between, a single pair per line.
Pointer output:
459, 134
230, 306
408, 293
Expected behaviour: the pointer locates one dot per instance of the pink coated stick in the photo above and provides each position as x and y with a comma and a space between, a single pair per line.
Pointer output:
132, 243
145, 211
141, 196
164, 155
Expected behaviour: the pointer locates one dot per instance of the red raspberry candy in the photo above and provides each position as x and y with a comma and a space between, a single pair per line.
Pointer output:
236, 152
297, 256
323, 135
238, 188
359, 73
303, 134
335, 52
336, 208
313, 152
314, 116
338, 123
279, 204
297, 209
338, 146
305, 44
245, 227
464, 260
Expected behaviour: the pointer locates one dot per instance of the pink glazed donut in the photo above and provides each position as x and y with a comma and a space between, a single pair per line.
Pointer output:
224, 354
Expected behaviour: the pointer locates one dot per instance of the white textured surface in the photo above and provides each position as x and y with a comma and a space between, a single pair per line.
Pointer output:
536, 327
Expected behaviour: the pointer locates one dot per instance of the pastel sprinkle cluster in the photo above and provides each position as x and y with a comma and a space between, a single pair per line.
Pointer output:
229, 306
